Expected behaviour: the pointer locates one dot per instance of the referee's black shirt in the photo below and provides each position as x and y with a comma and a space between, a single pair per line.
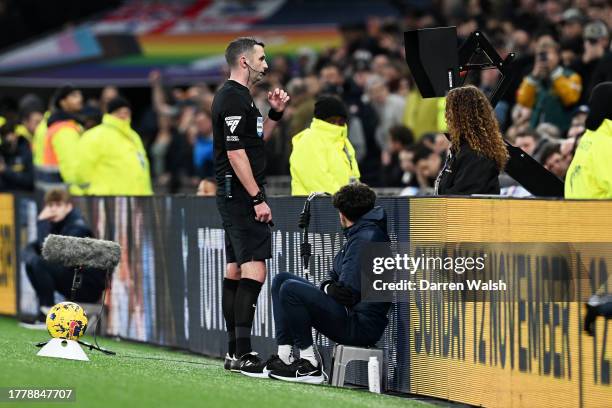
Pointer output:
237, 124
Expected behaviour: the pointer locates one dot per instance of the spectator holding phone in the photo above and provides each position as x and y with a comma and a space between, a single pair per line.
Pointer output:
550, 90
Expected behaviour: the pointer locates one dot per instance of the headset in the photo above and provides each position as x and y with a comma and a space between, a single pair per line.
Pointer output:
264, 72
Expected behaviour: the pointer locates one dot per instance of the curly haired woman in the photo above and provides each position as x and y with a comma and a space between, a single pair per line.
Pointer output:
477, 152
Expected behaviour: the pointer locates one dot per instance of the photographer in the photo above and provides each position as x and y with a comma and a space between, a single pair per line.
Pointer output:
60, 218
336, 309
551, 91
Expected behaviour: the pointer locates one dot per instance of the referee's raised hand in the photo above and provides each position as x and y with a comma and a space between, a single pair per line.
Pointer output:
278, 99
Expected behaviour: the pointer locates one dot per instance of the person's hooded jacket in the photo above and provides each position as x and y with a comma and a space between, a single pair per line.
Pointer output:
19, 172
323, 159
113, 160
345, 282
59, 155
590, 173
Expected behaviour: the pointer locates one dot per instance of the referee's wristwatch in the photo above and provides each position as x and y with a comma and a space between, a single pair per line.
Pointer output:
258, 198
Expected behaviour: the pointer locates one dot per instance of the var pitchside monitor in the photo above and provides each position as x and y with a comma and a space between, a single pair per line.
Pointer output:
431, 55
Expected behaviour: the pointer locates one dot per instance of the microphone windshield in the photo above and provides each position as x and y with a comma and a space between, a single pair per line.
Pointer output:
86, 252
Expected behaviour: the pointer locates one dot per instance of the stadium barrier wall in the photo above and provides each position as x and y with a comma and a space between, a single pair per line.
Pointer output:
8, 256
167, 291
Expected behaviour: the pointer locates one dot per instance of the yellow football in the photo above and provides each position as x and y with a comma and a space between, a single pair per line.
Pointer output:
67, 320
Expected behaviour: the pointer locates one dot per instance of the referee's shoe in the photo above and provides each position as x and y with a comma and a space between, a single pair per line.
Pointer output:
231, 363
250, 364
300, 370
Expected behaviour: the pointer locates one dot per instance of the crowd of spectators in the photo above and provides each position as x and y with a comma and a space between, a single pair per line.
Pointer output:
563, 51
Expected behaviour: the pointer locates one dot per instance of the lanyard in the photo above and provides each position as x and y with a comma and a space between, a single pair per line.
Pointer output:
446, 168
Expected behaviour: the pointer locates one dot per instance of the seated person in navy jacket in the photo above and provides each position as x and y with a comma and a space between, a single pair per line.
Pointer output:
335, 309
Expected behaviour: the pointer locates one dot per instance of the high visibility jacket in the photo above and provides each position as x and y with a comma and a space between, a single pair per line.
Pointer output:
59, 153
38, 140
423, 115
590, 173
23, 131
322, 160
112, 160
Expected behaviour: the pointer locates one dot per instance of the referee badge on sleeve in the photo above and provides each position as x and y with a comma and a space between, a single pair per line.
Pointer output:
232, 122
260, 126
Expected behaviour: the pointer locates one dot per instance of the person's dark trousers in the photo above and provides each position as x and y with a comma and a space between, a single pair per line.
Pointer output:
46, 278
298, 305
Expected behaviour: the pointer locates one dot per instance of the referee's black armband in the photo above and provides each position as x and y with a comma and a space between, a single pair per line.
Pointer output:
275, 115
259, 198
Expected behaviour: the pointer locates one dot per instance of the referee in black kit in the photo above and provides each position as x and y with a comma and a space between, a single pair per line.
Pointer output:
239, 132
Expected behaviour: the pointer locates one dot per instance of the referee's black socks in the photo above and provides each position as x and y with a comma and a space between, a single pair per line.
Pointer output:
244, 311
228, 299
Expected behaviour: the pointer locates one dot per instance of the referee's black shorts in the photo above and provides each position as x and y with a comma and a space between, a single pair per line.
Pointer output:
246, 239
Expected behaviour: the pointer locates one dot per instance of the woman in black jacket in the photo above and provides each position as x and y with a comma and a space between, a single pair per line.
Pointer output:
477, 152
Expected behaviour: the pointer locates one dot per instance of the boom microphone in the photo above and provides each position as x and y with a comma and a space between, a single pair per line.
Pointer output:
75, 252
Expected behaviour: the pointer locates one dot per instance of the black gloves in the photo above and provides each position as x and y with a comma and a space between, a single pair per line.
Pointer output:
340, 293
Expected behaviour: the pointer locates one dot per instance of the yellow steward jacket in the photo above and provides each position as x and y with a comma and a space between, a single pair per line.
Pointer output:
322, 160
59, 151
590, 173
112, 160
38, 140
424, 115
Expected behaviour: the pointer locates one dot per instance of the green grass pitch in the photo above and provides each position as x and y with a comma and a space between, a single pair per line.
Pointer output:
148, 376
